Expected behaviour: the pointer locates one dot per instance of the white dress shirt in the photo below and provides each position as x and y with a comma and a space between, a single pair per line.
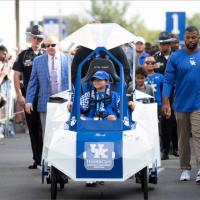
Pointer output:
57, 67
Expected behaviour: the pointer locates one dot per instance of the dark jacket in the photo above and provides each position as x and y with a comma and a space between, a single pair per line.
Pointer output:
161, 62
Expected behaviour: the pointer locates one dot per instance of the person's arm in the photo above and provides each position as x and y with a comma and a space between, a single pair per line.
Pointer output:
69, 106
18, 69
4, 72
166, 108
20, 97
169, 78
32, 87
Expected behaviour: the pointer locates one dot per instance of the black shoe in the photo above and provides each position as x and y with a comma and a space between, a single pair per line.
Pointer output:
175, 153
165, 156
101, 182
91, 184
33, 166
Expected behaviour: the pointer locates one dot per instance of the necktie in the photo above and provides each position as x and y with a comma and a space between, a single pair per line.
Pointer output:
54, 78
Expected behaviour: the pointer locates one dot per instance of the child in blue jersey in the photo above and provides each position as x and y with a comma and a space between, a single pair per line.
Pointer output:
154, 79
100, 102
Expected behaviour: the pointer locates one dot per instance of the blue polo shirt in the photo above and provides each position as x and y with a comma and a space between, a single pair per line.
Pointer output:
183, 69
142, 57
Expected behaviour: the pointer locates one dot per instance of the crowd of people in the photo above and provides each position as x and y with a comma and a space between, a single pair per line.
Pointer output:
172, 73
166, 71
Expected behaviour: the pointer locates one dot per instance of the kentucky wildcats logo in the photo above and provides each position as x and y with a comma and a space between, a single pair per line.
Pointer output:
99, 155
192, 62
98, 150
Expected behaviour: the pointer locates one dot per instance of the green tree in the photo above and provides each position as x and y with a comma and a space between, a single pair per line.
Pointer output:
108, 11
74, 22
194, 20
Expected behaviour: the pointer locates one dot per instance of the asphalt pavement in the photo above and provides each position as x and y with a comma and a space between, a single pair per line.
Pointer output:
17, 182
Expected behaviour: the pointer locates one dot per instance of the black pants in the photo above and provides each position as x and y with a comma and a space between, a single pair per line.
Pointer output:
35, 131
168, 134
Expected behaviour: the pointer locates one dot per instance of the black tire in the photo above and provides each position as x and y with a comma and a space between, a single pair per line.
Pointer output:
54, 181
145, 182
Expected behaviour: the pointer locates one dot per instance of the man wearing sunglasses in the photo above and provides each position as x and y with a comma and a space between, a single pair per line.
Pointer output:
22, 68
49, 76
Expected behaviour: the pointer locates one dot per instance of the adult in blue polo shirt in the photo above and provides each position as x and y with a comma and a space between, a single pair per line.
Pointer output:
183, 69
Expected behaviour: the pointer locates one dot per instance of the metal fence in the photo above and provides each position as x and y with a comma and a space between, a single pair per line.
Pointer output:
7, 112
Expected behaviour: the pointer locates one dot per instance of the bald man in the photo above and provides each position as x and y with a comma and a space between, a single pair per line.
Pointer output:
49, 76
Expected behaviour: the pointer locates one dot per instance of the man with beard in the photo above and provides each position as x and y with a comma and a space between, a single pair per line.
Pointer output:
183, 69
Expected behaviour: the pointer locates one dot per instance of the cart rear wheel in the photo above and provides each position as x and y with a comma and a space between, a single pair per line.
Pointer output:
145, 182
54, 180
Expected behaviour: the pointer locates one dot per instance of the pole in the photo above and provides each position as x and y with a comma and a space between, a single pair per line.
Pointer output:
17, 20
133, 69
60, 23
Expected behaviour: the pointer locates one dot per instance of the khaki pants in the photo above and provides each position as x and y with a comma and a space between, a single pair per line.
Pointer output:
188, 123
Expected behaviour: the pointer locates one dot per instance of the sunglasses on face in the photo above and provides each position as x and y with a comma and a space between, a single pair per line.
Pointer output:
50, 45
150, 63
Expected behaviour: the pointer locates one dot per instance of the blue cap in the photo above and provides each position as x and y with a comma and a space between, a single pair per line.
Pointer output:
101, 75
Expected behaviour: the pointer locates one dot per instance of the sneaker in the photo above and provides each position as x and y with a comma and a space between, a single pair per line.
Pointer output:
185, 175
1, 136
33, 166
175, 153
198, 177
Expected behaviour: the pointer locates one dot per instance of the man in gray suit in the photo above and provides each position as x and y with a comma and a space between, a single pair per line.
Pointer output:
49, 76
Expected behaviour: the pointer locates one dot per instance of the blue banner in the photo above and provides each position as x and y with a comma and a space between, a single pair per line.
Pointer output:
99, 155
175, 23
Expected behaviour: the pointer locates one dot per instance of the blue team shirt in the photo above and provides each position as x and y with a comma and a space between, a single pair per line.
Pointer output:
142, 57
111, 108
183, 69
156, 82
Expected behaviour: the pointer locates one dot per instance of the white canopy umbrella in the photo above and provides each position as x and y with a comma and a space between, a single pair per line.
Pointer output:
108, 35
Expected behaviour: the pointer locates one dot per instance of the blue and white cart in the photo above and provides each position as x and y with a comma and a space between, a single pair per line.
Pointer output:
101, 150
